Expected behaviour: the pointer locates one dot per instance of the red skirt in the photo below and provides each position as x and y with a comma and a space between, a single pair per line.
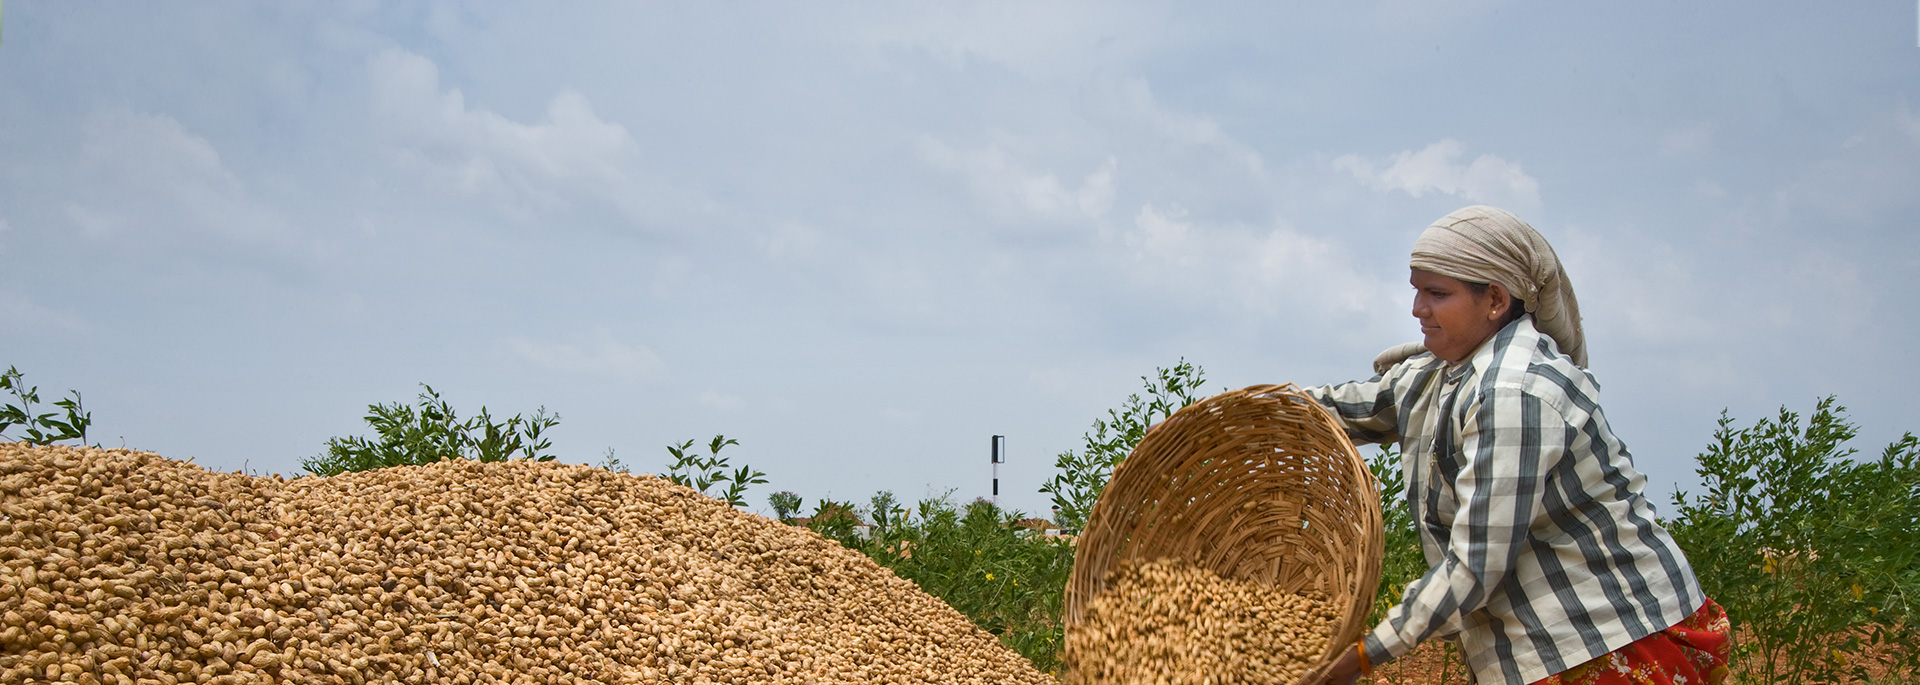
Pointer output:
1694, 652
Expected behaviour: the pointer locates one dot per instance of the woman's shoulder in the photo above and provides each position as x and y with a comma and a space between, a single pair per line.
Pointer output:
1414, 374
1529, 362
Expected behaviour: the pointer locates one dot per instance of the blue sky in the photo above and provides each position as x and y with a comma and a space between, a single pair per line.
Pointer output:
862, 238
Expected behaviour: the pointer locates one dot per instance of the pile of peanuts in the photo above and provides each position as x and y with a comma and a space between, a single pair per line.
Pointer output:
119, 566
1172, 622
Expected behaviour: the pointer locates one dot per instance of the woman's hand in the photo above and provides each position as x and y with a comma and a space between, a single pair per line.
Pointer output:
1344, 671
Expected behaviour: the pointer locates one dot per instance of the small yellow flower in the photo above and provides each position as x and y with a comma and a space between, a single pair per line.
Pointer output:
1857, 592
989, 576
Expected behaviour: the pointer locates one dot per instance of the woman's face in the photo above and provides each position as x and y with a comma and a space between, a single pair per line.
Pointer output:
1453, 319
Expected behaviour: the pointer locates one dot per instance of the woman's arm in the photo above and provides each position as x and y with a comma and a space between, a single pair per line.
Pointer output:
1368, 410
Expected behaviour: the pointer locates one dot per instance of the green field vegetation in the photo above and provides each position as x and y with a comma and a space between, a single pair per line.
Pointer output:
1811, 548
1009, 579
1812, 551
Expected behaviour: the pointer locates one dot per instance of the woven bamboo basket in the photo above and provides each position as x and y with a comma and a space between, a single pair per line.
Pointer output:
1258, 484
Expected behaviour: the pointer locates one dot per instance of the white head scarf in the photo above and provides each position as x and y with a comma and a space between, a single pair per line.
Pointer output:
1482, 244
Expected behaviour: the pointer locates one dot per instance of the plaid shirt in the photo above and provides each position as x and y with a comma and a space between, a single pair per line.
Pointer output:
1544, 551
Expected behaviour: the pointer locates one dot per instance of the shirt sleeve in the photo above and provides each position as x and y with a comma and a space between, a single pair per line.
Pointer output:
1367, 409
1507, 444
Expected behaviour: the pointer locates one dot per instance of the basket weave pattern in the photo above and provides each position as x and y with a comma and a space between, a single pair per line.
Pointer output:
1258, 484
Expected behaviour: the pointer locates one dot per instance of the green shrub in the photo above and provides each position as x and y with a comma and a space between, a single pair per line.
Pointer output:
612, 463
41, 429
838, 521
1812, 553
785, 504
885, 512
1084, 475
691, 469
1403, 561
430, 432
1009, 580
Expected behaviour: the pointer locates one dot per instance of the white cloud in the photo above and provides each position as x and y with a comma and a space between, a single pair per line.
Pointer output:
147, 173
1253, 271
1173, 156
1437, 168
1908, 121
721, 401
1187, 129
1869, 179
1011, 186
601, 357
1095, 196
568, 155
1644, 283
1164, 236
1289, 264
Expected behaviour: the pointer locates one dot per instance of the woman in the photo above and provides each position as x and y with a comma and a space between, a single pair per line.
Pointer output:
1547, 562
